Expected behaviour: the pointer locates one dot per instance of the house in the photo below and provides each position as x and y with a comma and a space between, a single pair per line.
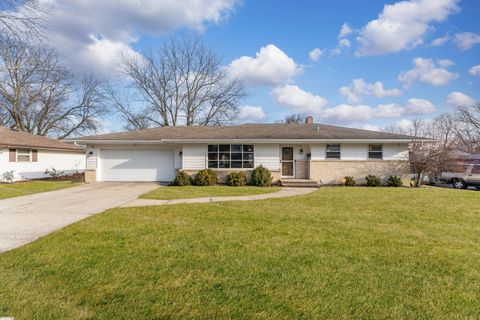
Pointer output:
322, 153
27, 156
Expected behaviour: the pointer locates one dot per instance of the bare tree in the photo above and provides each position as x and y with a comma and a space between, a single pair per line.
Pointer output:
38, 94
21, 17
181, 83
431, 144
294, 118
467, 121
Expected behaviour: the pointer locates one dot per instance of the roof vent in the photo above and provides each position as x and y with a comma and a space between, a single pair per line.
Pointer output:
309, 120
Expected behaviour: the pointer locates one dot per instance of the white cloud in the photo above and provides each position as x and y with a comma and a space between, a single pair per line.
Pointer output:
440, 41
359, 88
391, 110
251, 113
445, 63
345, 31
345, 113
344, 43
426, 70
270, 66
404, 126
402, 25
315, 54
419, 106
456, 99
298, 100
466, 40
475, 71
78, 28
371, 127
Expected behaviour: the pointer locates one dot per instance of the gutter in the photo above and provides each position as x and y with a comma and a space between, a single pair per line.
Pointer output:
230, 141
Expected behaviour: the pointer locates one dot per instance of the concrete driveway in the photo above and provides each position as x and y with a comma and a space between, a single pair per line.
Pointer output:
25, 219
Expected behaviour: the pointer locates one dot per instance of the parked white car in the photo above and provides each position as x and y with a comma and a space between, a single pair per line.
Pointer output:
462, 180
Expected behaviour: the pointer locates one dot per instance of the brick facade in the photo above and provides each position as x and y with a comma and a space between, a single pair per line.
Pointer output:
332, 172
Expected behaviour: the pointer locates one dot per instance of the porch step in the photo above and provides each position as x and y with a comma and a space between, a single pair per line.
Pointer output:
298, 183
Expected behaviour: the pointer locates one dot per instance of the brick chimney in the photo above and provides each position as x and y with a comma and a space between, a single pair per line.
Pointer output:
309, 120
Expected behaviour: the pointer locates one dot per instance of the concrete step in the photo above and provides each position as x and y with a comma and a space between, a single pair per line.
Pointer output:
299, 183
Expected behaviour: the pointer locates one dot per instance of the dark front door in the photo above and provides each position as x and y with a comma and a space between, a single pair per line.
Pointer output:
287, 161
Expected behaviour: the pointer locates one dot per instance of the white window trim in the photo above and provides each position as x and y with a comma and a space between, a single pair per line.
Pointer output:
368, 152
326, 152
29, 155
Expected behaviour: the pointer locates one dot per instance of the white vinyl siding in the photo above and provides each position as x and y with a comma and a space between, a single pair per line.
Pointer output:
395, 151
359, 151
136, 165
267, 155
194, 156
68, 162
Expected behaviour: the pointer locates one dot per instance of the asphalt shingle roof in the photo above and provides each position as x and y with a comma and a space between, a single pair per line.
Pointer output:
250, 132
14, 139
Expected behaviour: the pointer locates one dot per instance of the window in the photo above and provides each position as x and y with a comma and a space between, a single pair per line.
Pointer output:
333, 151
375, 151
23, 155
476, 169
226, 156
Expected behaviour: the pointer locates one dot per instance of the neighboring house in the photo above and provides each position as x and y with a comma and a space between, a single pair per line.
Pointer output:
29, 155
322, 153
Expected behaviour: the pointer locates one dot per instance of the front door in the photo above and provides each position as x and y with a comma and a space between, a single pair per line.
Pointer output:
287, 161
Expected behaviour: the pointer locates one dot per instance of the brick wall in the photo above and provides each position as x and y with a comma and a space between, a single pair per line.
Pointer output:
331, 172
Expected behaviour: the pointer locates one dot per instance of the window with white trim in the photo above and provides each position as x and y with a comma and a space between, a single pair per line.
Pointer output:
23, 155
234, 156
333, 151
375, 151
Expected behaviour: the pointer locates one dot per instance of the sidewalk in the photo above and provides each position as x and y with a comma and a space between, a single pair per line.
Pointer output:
283, 193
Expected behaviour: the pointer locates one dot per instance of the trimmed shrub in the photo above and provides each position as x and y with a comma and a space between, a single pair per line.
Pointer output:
206, 177
261, 177
182, 179
236, 179
394, 181
349, 181
372, 181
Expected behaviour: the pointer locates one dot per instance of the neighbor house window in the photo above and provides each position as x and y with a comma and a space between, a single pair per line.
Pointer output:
333, 151
226, 156
23, 155
375, 151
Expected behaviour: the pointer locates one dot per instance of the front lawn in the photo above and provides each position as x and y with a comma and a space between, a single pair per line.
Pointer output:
172, 192
23, 188
371, 253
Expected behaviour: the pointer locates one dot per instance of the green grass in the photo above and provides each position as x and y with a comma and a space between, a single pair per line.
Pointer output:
23, 188
339, 253
172, 192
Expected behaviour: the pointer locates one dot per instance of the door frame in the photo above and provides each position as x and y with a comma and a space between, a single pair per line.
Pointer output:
292, 161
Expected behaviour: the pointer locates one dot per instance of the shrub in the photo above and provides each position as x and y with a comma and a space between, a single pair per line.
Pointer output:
349, 181
372, 181
205, 177
54, 173
261, 177
8, 176
182, 179
236, 179
394, 181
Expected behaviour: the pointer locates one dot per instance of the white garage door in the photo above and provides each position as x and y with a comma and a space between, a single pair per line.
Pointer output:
136, 165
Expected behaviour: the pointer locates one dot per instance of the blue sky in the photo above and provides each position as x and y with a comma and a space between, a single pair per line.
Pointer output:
420, 53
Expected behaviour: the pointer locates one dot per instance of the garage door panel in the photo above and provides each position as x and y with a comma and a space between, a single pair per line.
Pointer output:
136, 165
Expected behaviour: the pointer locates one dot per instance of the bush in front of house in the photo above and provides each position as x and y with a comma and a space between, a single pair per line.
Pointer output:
205, 177
349, 181
394, 181
261, 177
236, 179
372, 180
182, 179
